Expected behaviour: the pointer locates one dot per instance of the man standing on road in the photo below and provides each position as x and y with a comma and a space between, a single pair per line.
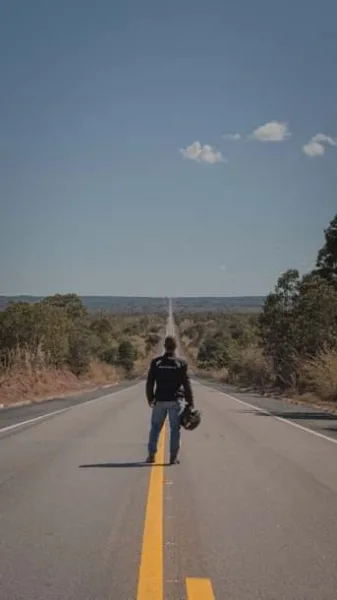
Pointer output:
169, 373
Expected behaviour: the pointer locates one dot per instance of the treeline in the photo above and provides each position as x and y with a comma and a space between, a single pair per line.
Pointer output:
58, 332
240, 304
114, 304
291, 345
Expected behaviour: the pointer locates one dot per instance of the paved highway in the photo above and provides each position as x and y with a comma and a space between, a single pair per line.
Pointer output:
249, 514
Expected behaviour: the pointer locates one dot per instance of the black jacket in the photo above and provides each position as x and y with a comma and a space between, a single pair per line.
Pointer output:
169, 373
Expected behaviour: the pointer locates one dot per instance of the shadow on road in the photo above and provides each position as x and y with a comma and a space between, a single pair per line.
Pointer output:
313, 416
122, 465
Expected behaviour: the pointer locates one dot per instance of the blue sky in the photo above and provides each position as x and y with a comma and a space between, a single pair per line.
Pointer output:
117, 175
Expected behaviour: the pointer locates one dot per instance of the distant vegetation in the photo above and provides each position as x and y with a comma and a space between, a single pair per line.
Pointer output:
218, 304
289, 345
137, 305
59, 336
110, 304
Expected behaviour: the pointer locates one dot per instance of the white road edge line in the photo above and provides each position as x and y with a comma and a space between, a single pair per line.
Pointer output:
282, 419
50, 414
61, 410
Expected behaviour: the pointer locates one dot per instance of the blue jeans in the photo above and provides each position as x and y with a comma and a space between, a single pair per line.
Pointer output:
159, 413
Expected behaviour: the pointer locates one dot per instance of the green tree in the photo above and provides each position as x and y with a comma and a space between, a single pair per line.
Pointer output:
80, 349
126, 355
101, 326
71, 303
277, 327
326, 264
214, 352
36, 326
80, 338
109, 355
315, 315
101, 336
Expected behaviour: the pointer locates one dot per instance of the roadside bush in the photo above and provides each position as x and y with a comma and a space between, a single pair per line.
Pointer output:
252, 368
151, 341
126, 355
79, 355
319, 375
109, 356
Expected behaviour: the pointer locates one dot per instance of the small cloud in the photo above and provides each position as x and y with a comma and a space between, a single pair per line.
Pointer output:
223, 268
321, 137
313, 149
232, 136
205, 154
315, 146
273, 131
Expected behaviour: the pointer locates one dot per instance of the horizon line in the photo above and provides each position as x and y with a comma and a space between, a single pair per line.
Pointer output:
164, 296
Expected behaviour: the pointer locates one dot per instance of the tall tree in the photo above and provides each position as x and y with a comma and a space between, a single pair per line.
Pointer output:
327, 256
315, 315
34, 326
277, 326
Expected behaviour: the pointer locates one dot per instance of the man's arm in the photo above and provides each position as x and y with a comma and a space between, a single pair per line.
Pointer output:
150, 381
187, 386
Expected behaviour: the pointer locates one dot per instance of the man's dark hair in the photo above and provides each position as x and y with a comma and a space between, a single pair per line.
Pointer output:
170, 343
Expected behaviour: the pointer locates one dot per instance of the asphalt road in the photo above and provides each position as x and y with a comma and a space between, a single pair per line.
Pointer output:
249, 514
11, 417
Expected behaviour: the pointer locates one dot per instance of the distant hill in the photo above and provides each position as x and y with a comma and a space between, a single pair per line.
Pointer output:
137, 304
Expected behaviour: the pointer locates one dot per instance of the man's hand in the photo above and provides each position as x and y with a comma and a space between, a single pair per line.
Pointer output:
150, 403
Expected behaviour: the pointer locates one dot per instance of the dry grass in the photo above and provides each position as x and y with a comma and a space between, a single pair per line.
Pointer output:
141, 365
189, 348
319, 375
35, 385
102, 373
223, 375
252, 368
31, 386
26, 377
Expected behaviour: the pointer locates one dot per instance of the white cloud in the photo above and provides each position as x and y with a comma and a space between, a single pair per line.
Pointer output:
274, 131
321, 137
199, 153
232, 136
223, 268
315, 146
313, 149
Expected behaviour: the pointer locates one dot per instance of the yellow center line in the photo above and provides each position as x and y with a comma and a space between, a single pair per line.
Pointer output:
150, 582
199, 589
